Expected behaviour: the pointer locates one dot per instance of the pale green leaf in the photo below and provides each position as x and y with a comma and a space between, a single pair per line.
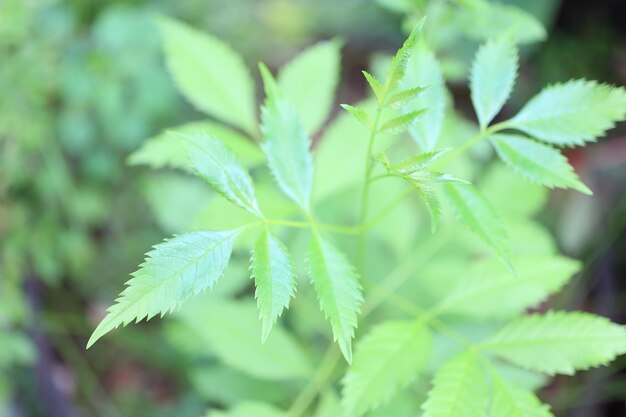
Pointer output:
424, 69
459, 389
309, 82
512, 401
210, 74
478, 214
272, 270
436, 177
401, 123
559, 342
286, 145
492, 78
173, 271
419, 162
572, 113
167, 149
359, 114
538, 162
403, 97
220, 167
398, 66
338, 289
229, 330
385, 361
432, 204
488, 290
375, 85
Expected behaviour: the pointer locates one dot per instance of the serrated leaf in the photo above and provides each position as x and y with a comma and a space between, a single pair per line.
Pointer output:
385, 361
432, 204
459, 389
286, 144
539, 163
419, 162
559, 342
272, 270
403, 97
572, 113
173, 271
309, 82
512, 401
397, 68
490, 291
359, 114
376, 86
436, 177
478, 214
424, 69
492, 78
210, 74
220, 167
337, 285
401, 123
167, 149
229, 329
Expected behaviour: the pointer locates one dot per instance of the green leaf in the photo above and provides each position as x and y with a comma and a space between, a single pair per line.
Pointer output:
397, 68
458, 389
432, 204
424, 69
359, 114
419, 162
167, 149
436, 177
512, 401
403, 97
539, 163
220, 167
229, 330
492, 78
401, 123
173, 271
210, 74
376, 86
559, 342
286, 145
272, 270
337, 285
490, 291
385, 361
478, 214
572, 113
309, 83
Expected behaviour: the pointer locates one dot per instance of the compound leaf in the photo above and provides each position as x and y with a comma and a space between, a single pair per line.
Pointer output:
173, 271
337, 285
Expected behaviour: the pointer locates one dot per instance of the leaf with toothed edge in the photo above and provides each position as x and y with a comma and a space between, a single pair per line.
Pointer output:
173, 271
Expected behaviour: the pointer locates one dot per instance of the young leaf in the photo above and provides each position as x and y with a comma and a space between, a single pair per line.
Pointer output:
458, 389
337, 285
286, 144
559, 342
538, 162
436, 177
401, 123
490, 291
403, 97
229, 330
272, 270
419, 162
512, 401
476, 212
572, 113
210, 74
167, 149
173, 271
492, 78
432, 204
220, 167
387, 360
359, 114
397, 68
424, 69
309, 82
376, 86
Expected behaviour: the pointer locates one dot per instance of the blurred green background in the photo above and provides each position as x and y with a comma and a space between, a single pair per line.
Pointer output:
83, 84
